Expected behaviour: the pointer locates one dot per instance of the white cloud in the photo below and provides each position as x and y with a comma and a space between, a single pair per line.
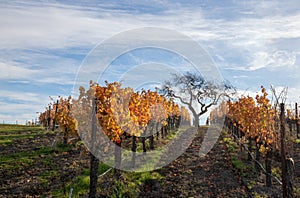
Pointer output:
62, 80
21, 106
292, 94
283, 58
17, 108
59, 26
276, 59
52, 27
15, 71
22, 96
240, 76
254, 41
245, 42
10, 112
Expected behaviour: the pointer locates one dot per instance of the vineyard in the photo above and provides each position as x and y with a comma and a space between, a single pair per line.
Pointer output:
256, 155
257, 129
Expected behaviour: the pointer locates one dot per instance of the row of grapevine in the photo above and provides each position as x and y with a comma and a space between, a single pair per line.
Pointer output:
120, 113
123, 113
256, 120
59, 113
293, 120
260, 125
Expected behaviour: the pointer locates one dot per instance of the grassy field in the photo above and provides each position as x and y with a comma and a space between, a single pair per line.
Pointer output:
10, 132
34, 162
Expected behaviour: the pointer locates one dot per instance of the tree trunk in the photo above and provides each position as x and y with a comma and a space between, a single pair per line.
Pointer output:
196, 118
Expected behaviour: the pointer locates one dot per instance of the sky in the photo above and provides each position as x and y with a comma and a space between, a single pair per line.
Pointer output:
43, 45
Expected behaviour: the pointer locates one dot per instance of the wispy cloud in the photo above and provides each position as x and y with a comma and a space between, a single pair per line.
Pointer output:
11, 71
44, 43
274, 60
27, 97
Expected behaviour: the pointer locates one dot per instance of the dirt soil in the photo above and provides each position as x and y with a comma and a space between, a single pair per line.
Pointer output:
188, 176
41, 174
194, 176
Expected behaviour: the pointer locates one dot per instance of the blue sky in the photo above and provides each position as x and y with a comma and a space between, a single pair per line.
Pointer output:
43, 43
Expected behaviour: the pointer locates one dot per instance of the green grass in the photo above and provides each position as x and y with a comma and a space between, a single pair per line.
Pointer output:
13, 164
129, 185
297, 141
131, 182
154, 156
12, 128
134, 180
239, 165
9, 132
231, 145
8, 139
258, 195
6, 142
276, 171
140, 178
296, 192
80, 185
17, 161
23, 160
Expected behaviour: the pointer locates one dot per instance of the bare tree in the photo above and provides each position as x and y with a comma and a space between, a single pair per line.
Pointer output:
196, 93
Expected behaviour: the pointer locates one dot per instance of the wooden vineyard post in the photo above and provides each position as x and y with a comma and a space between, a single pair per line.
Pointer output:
283, 152
297, 120
133, 149
49, 117
152, 137
54, 119
67, 130
94, 163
